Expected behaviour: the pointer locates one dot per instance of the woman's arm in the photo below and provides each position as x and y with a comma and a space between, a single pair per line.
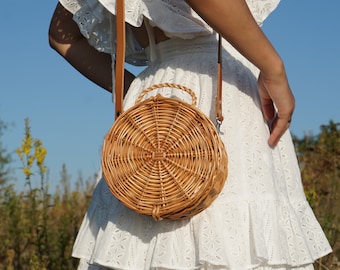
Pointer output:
234, 21
66, 39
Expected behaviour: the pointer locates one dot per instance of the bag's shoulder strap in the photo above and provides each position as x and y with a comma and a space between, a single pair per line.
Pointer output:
120, 56
120, 59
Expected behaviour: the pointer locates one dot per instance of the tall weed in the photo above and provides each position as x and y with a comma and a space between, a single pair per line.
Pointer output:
38, 229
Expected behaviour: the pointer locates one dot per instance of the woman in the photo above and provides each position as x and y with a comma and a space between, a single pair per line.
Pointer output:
261, 219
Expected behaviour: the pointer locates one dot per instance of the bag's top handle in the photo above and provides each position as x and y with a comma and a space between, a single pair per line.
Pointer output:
120, 59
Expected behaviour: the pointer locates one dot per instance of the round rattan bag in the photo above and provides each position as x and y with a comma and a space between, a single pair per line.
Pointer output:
164, 158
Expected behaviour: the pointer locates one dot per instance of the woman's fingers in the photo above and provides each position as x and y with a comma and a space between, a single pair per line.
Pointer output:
278, 127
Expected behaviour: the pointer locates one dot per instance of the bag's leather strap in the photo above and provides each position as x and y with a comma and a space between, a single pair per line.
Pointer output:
120, 56
219, 115
120, 59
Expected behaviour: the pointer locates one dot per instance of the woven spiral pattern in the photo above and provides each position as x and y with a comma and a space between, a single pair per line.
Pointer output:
164, 158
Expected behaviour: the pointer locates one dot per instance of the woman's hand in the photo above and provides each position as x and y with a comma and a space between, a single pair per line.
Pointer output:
277, 103
234, 21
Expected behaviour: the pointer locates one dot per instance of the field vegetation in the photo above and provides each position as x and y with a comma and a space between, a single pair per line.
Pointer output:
37, 228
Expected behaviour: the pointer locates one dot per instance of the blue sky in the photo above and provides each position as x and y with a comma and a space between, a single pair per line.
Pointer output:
71, 115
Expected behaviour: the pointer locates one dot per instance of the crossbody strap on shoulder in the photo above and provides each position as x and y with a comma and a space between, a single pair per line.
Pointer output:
120, 59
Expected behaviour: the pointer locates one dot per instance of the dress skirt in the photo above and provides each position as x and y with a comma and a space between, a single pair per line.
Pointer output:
261, 220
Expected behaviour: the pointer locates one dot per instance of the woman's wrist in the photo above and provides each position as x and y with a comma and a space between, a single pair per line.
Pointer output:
273, 69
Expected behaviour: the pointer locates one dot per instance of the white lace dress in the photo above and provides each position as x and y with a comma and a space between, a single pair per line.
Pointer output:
261, 220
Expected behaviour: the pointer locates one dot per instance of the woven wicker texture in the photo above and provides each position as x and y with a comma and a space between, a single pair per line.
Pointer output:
164, 158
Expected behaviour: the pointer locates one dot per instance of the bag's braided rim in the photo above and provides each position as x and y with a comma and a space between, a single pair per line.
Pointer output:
164, 158
169, 85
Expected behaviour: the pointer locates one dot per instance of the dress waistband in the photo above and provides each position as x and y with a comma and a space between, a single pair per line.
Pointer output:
175, 47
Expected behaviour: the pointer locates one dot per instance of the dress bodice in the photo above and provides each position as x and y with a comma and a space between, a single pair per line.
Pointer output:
96, 19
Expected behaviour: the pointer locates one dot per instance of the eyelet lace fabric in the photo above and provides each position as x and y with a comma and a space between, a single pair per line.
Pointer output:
174, 17
261, 220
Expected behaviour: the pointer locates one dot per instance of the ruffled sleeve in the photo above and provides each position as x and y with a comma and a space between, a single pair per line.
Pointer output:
96, 20
98, 25
262, 8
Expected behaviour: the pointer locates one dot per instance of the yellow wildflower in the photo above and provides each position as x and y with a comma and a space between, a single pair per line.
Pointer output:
27, 171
